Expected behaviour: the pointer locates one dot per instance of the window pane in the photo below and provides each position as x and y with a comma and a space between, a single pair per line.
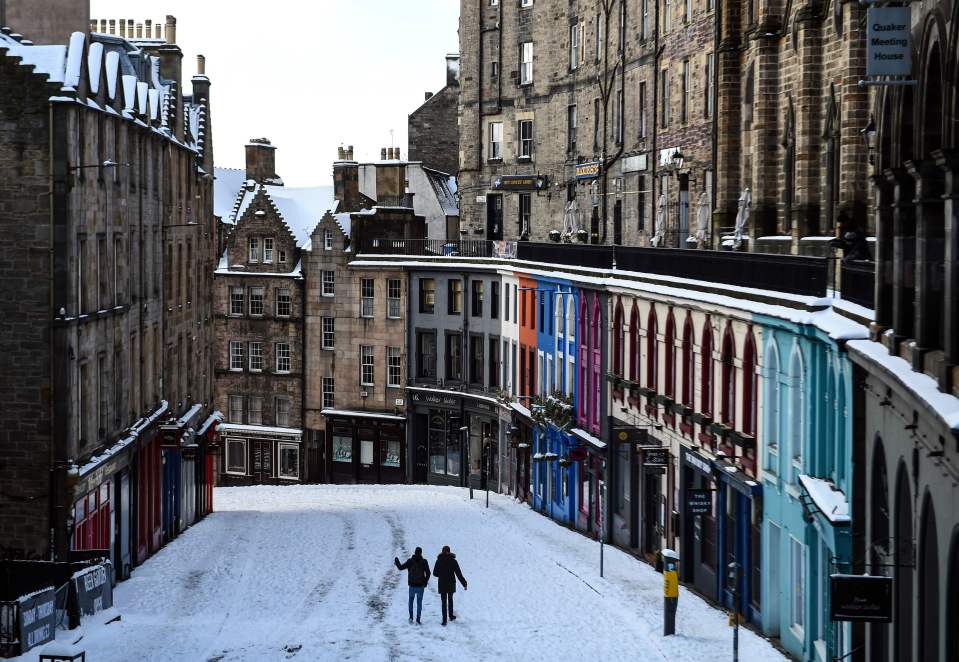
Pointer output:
289, 461
390, 453
236, 456
342, 449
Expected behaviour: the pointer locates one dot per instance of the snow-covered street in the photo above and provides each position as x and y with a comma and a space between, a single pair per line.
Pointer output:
306, 572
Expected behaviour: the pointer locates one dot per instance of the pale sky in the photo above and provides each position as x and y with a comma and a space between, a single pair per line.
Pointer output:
308, 74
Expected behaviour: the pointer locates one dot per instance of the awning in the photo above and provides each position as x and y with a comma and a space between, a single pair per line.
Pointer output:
588, 438
352, 413
258, 429
829, 501
215, 417
736, 479
521, 410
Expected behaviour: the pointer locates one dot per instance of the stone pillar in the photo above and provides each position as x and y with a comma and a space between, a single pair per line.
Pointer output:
948, 161
885, 283
904, 252
929, 256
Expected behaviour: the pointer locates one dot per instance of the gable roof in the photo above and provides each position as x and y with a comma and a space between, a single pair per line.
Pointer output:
300, 209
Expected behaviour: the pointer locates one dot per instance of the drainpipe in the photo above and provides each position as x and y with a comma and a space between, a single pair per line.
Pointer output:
656, 119
715, 123
622, 142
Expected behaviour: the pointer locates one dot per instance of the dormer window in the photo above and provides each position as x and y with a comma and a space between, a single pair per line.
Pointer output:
328, 240
268, 250
253, 255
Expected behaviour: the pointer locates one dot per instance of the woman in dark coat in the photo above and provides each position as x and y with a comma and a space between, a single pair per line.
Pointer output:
447, 571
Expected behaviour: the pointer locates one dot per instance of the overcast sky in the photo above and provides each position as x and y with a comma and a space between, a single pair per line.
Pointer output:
308, 74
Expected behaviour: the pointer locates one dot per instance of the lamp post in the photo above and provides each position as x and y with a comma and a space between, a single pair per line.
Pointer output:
868, 134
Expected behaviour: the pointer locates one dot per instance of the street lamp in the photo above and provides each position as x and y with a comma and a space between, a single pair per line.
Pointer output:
677, 160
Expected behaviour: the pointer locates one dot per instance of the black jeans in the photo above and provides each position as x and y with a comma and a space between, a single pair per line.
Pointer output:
447, 600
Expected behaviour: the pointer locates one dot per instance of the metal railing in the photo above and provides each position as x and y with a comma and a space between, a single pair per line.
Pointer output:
858, 282
793, 274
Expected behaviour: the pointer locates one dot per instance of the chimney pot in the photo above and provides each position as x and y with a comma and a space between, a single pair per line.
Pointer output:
396, 153
340, 154
156, 31
113, 26
383, 154
103, 26
93, 25
123, 27
148, 28
170, 29
349, 152
201, 65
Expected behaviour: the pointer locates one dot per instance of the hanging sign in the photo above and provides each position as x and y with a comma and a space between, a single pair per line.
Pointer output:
656, 457
699, 502
860, 598
587, 170
888, 41
519, 183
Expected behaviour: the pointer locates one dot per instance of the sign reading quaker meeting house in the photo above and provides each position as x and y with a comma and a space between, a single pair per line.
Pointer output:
889, 41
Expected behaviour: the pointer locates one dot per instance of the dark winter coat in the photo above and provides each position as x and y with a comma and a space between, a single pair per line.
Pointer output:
417, 570
447, 571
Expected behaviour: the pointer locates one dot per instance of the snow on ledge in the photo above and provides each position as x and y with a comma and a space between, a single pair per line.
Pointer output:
588, 438
922, 386
264, 429
830, 501
362, 414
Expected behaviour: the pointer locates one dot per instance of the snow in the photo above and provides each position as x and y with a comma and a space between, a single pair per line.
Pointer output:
227, 184
362, 414
830, 501
47, 60
264, 429
131, 436
300, 208
306, 573
345, 221
922, 386
74, 60
113, 67
94, 66
588, 438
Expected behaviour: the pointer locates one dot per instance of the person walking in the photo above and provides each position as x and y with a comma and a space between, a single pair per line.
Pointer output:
417, 576
447, 571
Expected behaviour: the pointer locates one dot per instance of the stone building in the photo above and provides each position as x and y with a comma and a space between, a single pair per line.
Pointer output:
555, 139
791, 114
433, 128
107, 237
260, 313
907, 426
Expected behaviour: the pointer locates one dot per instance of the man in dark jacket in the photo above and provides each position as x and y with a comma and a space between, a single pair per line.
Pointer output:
417, 576
447, 571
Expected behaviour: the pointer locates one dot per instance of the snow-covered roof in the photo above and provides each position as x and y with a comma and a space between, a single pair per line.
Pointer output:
362, 414
133, 85
301, 209
830, 501
227, 183
444, 190
263, 429
345, 221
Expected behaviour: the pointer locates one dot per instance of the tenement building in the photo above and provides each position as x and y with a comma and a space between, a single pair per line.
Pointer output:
588, 121
260, 312
107, 237
433, 128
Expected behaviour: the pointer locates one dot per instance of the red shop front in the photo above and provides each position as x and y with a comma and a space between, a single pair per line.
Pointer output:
149, 480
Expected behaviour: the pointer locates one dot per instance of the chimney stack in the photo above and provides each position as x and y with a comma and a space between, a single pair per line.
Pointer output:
349, 153
346, 181
260, 160
340, 154
170, 29
200, 65
383, 154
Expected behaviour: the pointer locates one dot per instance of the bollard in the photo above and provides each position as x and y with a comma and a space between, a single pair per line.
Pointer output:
670, 590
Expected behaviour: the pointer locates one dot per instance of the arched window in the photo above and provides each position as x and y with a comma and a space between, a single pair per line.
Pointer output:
689, 366
750, 386
584, 360
929, 578
706, 368
728, 402
652, 350
771, 398
903, 563
559, 313
670, 345
618, 339
634, 344
797, 409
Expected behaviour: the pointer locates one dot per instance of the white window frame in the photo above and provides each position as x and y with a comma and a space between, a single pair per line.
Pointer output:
255, 356
267, 250
226, 462
328, 386
394, 367
366, 365
526, 63
249, 410
262, 301
276, 411
797, 597
329, 283
495, 140
575, 45
253, 250
328, 335
236, 356
283, 354
367, 299
327, 239
279, 451
393, 310
280, 299
233, 301
525, 142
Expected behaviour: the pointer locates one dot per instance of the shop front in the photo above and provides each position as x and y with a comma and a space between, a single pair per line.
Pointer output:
520, 452
257, 454
458, 435
590, 456
739, 518
365, 447
698, 514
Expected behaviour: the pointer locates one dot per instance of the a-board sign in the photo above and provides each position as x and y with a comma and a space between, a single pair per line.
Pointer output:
699, 502
861, 598
94, 588
37, 619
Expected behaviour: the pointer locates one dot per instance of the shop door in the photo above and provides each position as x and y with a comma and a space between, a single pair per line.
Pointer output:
421, 453
494, 217
123, 514
262, 461
368, 467
652, 501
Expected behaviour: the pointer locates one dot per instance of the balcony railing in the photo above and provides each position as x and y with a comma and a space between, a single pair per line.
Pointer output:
858, 282
793, 274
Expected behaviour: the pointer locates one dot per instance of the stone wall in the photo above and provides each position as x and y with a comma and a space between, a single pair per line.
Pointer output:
434, 131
